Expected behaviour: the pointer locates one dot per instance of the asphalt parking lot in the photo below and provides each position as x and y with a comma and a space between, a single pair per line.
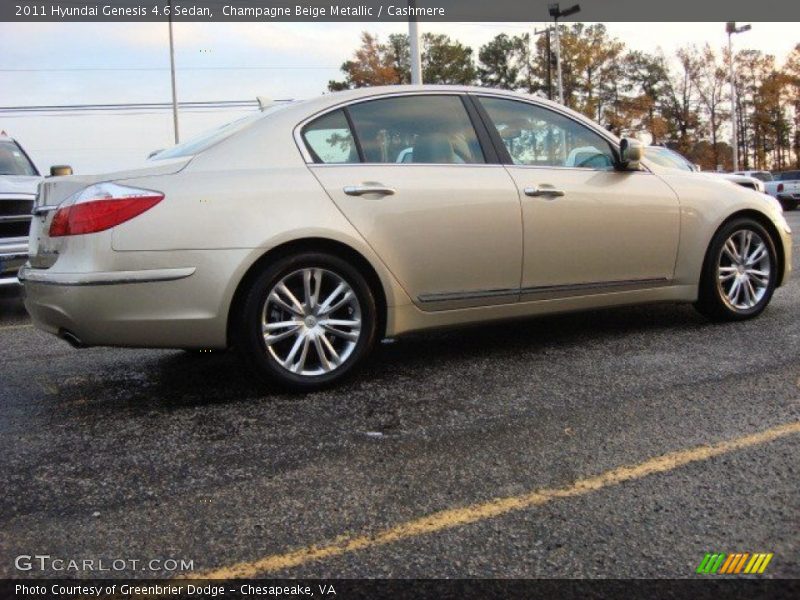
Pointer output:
484, 452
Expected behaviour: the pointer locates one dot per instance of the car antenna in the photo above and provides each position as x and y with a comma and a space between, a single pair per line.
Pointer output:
264, 103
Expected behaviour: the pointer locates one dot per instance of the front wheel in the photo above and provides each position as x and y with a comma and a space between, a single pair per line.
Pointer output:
307, 321
740, 272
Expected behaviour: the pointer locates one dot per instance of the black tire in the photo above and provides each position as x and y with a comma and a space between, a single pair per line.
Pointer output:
249, 338
713, 302
789, 204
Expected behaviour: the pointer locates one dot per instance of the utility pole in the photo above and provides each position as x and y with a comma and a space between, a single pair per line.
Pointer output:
730, 28
172, 73
547, 31
555, 11
413, 40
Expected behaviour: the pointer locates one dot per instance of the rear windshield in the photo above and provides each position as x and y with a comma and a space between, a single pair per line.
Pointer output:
762, 175
788, 175
13, 160
207, 139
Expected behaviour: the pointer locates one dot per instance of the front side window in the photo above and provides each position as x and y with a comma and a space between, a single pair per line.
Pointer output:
535, 136
330, 140
416, 129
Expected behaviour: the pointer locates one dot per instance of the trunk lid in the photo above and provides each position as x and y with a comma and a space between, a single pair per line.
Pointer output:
53, 191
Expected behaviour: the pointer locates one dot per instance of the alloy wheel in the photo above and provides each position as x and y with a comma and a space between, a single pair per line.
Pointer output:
744, 270
311, 321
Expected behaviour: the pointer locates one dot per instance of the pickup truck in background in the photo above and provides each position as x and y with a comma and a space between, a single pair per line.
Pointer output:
19, 179
786, 189
784, 186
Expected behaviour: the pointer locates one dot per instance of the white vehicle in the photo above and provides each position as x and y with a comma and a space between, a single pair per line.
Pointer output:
674, 160
783, 186
787, 189
18, 181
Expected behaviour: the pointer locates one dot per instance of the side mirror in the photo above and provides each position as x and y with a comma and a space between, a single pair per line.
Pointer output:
630, 153
60, 170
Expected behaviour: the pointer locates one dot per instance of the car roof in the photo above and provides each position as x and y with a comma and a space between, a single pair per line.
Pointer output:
332, 99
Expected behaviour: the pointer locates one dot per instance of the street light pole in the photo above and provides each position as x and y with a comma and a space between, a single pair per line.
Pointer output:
172, 73
556, 12
730, 28
413, 40
558, 64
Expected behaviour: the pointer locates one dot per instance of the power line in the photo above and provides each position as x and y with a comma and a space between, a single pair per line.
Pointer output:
222, 68
214, 104
115, 114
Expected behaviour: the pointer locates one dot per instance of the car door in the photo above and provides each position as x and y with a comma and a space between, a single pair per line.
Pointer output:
588, 228
410, 173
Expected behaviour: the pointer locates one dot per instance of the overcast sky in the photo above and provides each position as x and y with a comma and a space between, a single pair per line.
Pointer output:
82, 63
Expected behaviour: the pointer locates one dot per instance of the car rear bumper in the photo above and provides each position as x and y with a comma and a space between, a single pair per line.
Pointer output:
104, 277
791, 196
166, 305
13, 254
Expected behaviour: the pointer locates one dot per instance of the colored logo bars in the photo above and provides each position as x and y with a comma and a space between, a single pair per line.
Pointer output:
734, 564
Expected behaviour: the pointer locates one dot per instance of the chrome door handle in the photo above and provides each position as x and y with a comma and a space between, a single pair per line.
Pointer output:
363, 190
543, 192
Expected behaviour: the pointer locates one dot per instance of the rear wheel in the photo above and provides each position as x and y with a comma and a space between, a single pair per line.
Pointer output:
740, 272
307, 321
789, 204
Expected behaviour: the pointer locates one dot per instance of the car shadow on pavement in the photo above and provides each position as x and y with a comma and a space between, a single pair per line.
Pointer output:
142, 381
198, 378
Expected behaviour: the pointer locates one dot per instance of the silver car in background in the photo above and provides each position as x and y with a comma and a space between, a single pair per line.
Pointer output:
18, 181
674, 160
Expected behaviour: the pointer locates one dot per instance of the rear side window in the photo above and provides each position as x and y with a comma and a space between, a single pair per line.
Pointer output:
416, 129
330, 140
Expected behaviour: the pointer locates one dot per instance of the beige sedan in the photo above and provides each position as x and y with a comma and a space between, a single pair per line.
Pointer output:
305, 233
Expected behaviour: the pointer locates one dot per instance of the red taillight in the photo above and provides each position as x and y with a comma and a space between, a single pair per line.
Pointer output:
780, 187
101, 207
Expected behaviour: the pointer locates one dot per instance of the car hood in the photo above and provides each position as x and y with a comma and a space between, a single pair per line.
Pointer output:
732, 177
55, 190
18, 185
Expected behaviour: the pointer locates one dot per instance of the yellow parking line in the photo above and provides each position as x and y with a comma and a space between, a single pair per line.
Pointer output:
456, 517
5, 327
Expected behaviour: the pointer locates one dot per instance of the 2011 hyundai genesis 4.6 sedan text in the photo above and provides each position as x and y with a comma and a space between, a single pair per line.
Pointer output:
303, 234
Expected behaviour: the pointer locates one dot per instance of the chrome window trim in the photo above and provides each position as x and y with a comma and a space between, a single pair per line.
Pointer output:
297, 132
329, 165
581, 169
